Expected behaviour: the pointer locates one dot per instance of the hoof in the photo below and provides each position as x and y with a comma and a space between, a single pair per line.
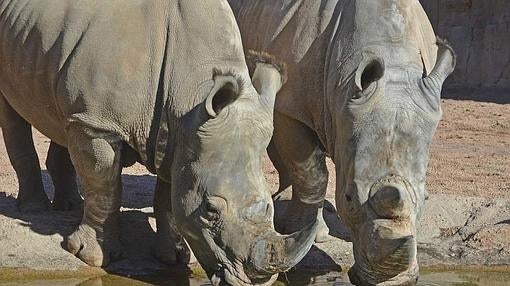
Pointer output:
67, 204
171, 253
28, 206
84, 244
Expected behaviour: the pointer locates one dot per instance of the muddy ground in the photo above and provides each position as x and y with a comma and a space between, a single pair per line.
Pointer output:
466, 221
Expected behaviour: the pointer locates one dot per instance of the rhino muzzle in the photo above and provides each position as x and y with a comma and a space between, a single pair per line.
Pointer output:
386, 261
270, 254
392, 197
386, 253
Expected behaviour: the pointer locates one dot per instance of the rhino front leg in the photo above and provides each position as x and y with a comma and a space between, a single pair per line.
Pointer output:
97, 159
19, 143
297, 154
63, 175
170, 247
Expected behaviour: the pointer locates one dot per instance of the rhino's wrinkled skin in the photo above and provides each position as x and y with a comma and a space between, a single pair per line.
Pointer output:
364, 88
161, 82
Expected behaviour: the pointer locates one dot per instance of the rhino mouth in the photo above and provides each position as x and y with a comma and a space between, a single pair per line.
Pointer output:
386, 256
228, 275
359, 276
233, 274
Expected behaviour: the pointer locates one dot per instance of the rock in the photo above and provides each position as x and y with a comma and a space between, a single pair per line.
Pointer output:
480, 34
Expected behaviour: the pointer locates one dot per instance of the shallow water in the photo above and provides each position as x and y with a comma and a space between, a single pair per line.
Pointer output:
332, 278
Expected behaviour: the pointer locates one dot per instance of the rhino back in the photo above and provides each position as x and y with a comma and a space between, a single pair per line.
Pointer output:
114, 65
93, 61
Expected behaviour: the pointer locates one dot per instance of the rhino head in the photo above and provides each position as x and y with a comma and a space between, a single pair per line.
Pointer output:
387, 128
384, 105
220, 200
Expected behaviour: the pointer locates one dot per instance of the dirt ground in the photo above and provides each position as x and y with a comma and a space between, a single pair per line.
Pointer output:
469, 169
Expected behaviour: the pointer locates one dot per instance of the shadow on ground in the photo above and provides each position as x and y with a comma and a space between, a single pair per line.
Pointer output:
137, 194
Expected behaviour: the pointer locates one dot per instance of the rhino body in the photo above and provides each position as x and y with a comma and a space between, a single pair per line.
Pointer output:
160, 82
364, 88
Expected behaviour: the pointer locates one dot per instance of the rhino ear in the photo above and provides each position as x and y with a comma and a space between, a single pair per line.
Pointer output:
445, 65
224, 92
370, 70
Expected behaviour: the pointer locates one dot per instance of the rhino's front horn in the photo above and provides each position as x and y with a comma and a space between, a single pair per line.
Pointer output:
445, 64
277, 253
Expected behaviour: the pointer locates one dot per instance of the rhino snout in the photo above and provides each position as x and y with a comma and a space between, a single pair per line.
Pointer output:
386, 254
392, 197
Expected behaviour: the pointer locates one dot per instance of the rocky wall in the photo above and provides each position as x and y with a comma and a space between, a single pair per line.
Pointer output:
479, 31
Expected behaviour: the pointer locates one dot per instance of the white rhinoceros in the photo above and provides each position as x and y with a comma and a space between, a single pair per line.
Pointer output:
162, 82
364, 88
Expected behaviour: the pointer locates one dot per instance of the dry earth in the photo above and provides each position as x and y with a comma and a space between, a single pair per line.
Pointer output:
466, 222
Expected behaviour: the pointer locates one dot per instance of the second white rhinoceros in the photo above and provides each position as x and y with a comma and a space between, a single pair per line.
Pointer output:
364, 87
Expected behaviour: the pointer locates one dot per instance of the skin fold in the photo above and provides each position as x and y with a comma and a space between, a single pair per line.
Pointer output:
164, 83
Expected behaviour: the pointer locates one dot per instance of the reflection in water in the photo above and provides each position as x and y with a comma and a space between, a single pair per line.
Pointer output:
293, 278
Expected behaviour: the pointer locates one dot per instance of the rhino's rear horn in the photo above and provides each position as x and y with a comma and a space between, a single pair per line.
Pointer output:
224, 92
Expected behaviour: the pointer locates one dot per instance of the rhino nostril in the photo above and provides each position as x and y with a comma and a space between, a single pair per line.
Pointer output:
390, 201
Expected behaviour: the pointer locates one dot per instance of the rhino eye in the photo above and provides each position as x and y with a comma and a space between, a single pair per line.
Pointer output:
209, 207
361, 96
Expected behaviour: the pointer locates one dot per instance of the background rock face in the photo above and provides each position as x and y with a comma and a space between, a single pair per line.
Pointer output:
479, 31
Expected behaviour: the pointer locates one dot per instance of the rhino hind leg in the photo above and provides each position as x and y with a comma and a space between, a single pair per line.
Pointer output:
63, 175
97, 159
300, 160
17, 133
169, 247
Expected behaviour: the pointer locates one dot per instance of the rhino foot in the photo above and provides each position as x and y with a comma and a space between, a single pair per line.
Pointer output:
33, 204
85, 245
169, 252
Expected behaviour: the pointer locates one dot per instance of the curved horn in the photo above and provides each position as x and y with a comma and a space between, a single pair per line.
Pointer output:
277, 253
445, 65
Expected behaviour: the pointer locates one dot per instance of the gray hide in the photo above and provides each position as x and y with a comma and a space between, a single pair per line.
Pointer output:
163, 83
364, 88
